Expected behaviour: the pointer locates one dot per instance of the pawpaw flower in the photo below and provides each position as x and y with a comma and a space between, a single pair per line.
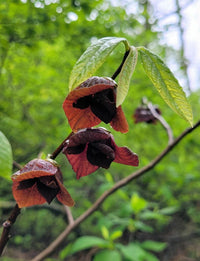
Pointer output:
38, 182
94, 101
89, 149
144, 114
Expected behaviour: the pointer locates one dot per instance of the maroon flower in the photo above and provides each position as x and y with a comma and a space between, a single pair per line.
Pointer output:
89, 149
94, 101
38, 182
143, 114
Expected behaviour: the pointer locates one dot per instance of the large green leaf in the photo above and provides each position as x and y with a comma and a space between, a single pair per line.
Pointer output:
5, 157
166, 84
108, 255
125, 75
93, 58
154, 245
86, 242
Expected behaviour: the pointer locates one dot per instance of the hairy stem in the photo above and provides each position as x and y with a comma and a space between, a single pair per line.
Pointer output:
105, 195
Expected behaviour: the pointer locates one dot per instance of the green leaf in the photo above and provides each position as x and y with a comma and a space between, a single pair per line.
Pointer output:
126, 74
154, 245
6, 159
166, 84
93, 58
108, 255
105, 232
116, 234
85, 242
138, 203
132, 252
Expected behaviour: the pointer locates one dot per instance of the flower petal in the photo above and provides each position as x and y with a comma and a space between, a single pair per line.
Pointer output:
27, 197
125, 156
119, 122
80, 164
63, 195
79, 118
87, 135
84, 118
34, 169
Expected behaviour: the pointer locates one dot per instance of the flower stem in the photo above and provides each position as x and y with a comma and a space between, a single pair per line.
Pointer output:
60, 148
121, 65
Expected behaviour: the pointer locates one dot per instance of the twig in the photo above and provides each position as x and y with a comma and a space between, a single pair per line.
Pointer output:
7, 226
104, 196
162, 121
69, 215
120, 67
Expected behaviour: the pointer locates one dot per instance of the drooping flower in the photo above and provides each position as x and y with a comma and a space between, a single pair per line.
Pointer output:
144, 114
94, 101
38, 182
89, 149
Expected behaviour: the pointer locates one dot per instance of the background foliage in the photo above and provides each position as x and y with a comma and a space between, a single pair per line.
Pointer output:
40, 42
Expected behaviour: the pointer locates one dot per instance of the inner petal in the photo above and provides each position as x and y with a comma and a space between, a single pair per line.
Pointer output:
75, 149
103, 105
100, 154
49, 181
48, 193
24, 184
83, 102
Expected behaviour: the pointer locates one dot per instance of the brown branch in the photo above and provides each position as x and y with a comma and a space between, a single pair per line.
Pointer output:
7, 226
104, 196
162, 121
69, 215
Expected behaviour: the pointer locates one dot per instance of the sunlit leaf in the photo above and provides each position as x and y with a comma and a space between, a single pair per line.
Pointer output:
166, 84
5, 157
105, 232
93, 58
107, 255
125, 75
138, 203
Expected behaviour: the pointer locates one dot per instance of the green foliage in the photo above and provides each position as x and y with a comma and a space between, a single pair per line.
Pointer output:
108, 255
166, 84
93, 58
5, 157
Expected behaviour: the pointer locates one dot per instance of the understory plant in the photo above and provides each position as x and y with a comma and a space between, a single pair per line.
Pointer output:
91, 100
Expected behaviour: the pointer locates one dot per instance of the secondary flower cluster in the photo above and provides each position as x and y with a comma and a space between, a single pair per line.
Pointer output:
87, 148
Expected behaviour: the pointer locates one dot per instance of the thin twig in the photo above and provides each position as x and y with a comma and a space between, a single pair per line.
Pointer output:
104, 196
120, 67
162, 121
7, 226
69, 215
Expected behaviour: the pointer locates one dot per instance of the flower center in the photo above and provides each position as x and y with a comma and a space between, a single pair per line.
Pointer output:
102, 104
100, 154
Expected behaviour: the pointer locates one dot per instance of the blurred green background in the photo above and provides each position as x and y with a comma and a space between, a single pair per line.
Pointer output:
40, 41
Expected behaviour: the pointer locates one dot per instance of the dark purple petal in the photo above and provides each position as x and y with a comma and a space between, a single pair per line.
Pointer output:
103, 105
48, 193
83, 102
76, 149
24, 184
100, 154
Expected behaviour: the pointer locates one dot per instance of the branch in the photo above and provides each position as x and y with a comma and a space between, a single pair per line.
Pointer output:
69, 215
7, 226
162, 121
105, 195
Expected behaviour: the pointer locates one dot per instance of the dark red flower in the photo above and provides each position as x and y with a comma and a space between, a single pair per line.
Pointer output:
144, 114
38, 182
89, 149
94, 101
